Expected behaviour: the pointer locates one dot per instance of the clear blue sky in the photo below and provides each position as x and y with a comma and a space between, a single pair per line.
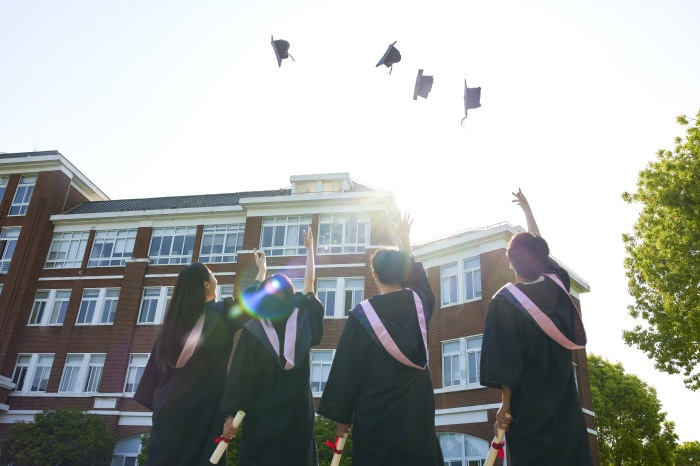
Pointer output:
166, 98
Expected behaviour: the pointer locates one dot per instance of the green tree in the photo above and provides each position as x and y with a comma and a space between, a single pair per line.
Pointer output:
142, 458
663, 263
325, 429
688, 454
57, 438
632, 429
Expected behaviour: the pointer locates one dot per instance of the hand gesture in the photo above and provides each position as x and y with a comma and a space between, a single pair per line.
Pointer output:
309, 240
229, 430
503, 419
521, 200
261, 261
403, 228
342, 429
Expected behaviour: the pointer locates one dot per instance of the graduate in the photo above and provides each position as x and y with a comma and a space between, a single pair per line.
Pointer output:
185, 375
379, 381
532, 327
270, 373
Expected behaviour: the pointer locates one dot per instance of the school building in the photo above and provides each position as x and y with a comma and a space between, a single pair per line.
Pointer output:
85, 282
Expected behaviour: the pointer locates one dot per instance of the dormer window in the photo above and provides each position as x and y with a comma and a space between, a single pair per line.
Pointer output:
325, 183
306, 187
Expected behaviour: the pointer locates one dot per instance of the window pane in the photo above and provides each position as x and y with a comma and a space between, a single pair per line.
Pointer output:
450, 347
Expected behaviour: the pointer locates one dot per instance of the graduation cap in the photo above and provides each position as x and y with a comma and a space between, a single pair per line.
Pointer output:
472, 98
423, 85
391, 56
281, 48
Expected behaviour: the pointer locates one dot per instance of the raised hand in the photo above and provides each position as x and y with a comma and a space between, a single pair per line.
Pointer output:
309, 240
261, 261
520, 199
403, 228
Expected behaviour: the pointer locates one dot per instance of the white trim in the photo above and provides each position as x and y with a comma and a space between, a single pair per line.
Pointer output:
465, 415
6, 382
66, 394
81, 277
591, 431
139, 260
458, 388
170, 275
148, 217
318, 266
105, 403
588, 411
462, 409
126, 418
4, 407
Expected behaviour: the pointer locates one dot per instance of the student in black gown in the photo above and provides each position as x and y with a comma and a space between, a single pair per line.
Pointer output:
383, 388
270, 373
183, 388
531, 361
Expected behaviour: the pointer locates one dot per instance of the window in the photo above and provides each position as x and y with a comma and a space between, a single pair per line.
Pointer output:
172, 245
448, 284
3, 186
67, 250
472, 278
154, 304
8, 243
23, 195
306, 187
221, 243
283, 236
321, 361
463, 450
332, 186
82, 373
112, 248
39, 366
338, 234
49, 307
224, 291
460, 362
126, 451
340, 295
98, 306
137, 364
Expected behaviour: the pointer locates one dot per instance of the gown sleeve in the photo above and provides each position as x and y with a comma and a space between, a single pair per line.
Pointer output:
346, 376
502, 346
310, 303
418, 281
241, 382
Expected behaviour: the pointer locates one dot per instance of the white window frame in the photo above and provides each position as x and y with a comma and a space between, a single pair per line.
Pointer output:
133, 376
318, 393
446, 280
102, 301
32, 367
289, 246
161, 306
184, 256
220, 236
49, 313
3, 185
119, 458
8, 244
463, 459
455, 274
82, 376
71, 246
25, 189
466, 361
472, 271
224, 291
122, 248
336, 239
339, 286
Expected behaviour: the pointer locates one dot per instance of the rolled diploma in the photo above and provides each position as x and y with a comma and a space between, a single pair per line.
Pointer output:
338, 446
493, 453
223, 445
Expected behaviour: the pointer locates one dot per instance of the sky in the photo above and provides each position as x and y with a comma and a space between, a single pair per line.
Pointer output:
165, 98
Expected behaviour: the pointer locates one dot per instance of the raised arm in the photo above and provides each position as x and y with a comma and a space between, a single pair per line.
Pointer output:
521, 200
261, 261
309, 274
403, 231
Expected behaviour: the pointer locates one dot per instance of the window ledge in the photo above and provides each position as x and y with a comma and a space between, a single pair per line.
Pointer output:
459, 388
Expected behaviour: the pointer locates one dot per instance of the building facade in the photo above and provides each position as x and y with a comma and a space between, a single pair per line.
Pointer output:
85, 282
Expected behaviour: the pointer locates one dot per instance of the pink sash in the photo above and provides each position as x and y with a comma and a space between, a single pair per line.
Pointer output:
191, 343
385, 339
290, 338
544, 322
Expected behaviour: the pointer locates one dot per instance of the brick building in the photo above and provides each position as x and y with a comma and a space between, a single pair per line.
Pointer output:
85, 281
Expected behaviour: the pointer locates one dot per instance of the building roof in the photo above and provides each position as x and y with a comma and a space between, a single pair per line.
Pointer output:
16, 155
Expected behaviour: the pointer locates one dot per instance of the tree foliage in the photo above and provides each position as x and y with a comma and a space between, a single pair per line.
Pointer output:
325, 429
663, 263
61, 437
688, 454
632, 429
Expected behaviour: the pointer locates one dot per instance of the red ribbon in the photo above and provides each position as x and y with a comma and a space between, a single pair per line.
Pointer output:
221, 438
499, 447
333, 446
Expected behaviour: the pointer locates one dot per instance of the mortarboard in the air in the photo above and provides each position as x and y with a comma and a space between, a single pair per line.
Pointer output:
423, 85
472, 98
391, 56
281, 48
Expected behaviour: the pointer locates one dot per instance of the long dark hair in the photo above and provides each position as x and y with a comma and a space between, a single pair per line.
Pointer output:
185, 308
529, 255
391, 265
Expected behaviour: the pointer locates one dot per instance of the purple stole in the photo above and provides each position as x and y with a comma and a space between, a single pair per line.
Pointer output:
368, 317
524, 304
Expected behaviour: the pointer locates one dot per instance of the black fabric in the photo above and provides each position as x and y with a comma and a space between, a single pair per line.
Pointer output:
278, 425
391, 406
548, 426
185, 400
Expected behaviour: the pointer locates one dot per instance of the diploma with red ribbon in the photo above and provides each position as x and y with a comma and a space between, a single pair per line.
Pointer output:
496, 450
337, 448
224, 441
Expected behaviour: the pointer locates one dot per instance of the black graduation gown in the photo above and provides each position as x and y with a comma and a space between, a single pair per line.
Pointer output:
185, 401
278, 428
391, 406
548, 426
